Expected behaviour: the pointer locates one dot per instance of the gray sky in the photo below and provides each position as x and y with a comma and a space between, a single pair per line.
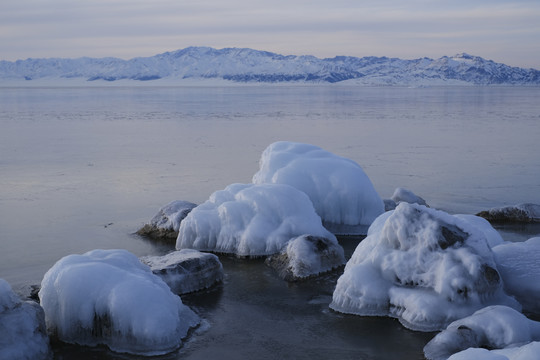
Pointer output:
505, 31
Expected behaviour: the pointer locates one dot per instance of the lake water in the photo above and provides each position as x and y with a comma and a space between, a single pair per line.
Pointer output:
84, 167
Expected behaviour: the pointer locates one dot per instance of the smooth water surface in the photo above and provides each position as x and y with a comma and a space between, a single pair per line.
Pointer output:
84, 168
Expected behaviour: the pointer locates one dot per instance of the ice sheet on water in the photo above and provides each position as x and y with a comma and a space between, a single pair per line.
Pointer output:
493, 327
250, 220
519, 266
22, 327
339, 188
423, 266
109, 297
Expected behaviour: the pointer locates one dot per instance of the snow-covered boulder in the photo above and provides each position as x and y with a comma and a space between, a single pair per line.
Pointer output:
22, 327
528, 351
250, 220
340, 190
109, 297
404, 195
423, 266
493, 237
518, 213
519, 266
307, 256
186, 270
165, 224
493, 327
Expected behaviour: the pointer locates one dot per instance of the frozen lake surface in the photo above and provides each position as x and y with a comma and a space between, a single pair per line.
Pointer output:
84, 168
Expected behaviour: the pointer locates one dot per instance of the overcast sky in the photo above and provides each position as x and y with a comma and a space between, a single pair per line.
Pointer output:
505, 31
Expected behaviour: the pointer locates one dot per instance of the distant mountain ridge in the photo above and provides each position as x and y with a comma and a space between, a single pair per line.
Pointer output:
244, 65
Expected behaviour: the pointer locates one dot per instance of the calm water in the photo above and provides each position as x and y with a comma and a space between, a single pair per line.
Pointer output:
83, 168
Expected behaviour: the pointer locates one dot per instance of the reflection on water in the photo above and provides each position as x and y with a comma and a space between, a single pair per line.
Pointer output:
84, 168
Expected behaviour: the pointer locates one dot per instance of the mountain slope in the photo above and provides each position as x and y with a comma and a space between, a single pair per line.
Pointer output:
248, 65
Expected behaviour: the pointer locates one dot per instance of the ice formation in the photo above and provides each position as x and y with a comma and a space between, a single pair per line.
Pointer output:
493, 237
307, 256
22, 327
250, 220
519, 266
186, 270
338, 187
493, 327
166, 222
423, 266
529, 351
109, 297
404, 195
518, 213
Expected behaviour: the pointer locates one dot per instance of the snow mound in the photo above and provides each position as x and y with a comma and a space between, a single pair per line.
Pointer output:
423, 266
22, 327
307, 256
338, 187
186, 270
166, 222
109, 297
404, 195
494, 327
518, 213
529, 351
250, 220
519, 266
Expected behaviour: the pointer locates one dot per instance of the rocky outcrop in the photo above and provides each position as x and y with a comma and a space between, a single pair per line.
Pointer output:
522, 213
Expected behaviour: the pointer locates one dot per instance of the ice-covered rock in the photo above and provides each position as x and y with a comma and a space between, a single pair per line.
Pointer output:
250, 220
165, 224
493, 237
493, 327
22, 327
519, 266
307, 256
186, 270
526, 212
404, 195
423, 266
528, 351
340, 190
109, 297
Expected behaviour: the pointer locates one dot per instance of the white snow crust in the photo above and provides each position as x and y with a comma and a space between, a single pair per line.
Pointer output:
186, 270
23, 334
109, 297
169, 216
493, 237
404, 195
529, 351
250, 220
493, 327
423, 266
519, 266
340, 190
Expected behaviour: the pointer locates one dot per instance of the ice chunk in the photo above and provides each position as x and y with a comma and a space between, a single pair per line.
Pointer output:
109, 297
338, 187
423, 266
519, 266
494, 327
518, 213
528, 351
186, 270
22, 327
404, 195
250, 220
165, 224
307, 256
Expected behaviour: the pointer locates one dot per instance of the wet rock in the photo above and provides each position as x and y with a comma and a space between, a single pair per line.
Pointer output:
186, 270
307, 256
165, 224
524, 213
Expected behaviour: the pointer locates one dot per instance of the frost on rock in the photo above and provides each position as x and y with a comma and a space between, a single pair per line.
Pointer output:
338, 187
493, 237
22, 327
307, 256
109, 297
250, 220
494, 327
518, 213
186, 270
425, 267
519, 266
165, 224
404, 195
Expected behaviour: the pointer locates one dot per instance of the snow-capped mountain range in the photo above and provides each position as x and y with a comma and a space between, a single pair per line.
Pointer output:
252, 66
